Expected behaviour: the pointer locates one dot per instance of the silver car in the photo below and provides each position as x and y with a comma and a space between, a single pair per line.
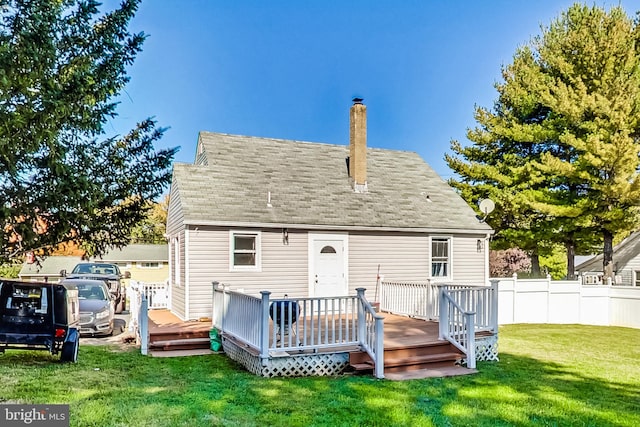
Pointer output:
97, 306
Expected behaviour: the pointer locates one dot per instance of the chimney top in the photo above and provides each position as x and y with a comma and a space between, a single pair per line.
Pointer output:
357, 100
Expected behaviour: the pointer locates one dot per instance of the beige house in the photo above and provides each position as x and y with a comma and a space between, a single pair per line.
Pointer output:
146, 263
311, 219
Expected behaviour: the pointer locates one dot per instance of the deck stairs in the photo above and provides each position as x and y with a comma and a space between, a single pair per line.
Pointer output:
421, 360
169, 335
174, 341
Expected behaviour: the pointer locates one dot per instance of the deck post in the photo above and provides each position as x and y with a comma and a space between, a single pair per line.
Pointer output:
362, 321
471, 341
215, 284
494, 305
443, 315
264, 326
144, 325
379, 363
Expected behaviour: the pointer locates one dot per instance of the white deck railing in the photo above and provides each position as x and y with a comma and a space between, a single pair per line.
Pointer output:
156, 293
467, 308
412, 299
457, 326
274, 326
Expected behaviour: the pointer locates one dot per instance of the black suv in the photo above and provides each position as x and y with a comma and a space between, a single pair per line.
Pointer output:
40, 316
110, 274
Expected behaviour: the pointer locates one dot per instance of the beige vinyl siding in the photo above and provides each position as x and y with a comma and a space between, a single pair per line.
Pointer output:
175, 214
284, 267
401, 256
468, 262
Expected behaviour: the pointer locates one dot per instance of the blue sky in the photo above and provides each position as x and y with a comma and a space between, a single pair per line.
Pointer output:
288, 69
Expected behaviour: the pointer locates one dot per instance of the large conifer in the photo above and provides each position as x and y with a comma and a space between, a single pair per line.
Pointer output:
560, 147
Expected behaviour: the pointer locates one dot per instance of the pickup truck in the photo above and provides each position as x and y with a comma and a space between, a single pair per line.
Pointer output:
110, 274
40, 316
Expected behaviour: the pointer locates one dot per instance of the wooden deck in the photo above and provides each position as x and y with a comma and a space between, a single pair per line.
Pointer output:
399, 331
410, 345
167, 330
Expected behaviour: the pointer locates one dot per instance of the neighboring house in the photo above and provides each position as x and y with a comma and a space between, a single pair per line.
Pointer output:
311, 219
626, 264
47, 269
147, 263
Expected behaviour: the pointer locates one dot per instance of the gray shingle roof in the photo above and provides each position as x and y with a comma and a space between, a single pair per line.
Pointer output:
137, 252
49, 266
309, 186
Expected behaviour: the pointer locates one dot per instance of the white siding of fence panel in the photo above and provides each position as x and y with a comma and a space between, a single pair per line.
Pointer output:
543, 301
531, 302
401, 256
506, 301
594, 305
564, 302
284, 267
624, 307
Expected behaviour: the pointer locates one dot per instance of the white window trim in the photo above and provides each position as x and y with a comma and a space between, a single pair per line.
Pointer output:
141, 265
176, 260
449, 275
254, 268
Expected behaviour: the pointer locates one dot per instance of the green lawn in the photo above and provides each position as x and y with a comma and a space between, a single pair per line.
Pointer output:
557, 375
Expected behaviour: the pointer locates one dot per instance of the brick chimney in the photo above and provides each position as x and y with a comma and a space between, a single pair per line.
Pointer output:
358, 145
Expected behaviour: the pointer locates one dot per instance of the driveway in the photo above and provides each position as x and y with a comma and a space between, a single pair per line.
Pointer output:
120, 332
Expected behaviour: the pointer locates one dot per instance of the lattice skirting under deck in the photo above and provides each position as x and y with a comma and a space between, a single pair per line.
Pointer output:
298, 365
486, 348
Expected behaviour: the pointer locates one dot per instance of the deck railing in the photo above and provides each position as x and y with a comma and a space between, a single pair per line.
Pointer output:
457, 326
468, 308
412, 299
465, 310
273, 326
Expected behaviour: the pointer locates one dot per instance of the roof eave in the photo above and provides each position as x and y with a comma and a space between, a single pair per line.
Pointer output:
338, 227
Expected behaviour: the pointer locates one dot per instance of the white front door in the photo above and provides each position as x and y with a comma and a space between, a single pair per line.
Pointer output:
328, 265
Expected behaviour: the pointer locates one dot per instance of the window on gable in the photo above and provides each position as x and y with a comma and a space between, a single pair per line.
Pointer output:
440, 257
244, 251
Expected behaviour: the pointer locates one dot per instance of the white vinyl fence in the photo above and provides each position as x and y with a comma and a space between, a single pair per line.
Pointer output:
567, 302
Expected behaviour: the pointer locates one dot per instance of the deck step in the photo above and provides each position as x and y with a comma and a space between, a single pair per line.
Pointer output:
411, 358
180, 344
360, 367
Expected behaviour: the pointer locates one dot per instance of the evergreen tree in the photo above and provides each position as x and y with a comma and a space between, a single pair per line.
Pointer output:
564, 133
62, 179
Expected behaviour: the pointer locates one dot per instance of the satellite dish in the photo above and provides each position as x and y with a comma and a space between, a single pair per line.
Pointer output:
486, 207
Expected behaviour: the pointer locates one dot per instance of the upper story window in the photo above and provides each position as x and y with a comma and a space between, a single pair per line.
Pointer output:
244, 251
441, 257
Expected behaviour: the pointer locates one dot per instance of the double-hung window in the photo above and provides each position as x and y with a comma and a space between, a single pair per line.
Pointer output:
441, 257
244, 247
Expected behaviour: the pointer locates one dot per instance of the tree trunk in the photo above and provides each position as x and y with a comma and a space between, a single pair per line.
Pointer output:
571, 260
535, 264
607, 257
